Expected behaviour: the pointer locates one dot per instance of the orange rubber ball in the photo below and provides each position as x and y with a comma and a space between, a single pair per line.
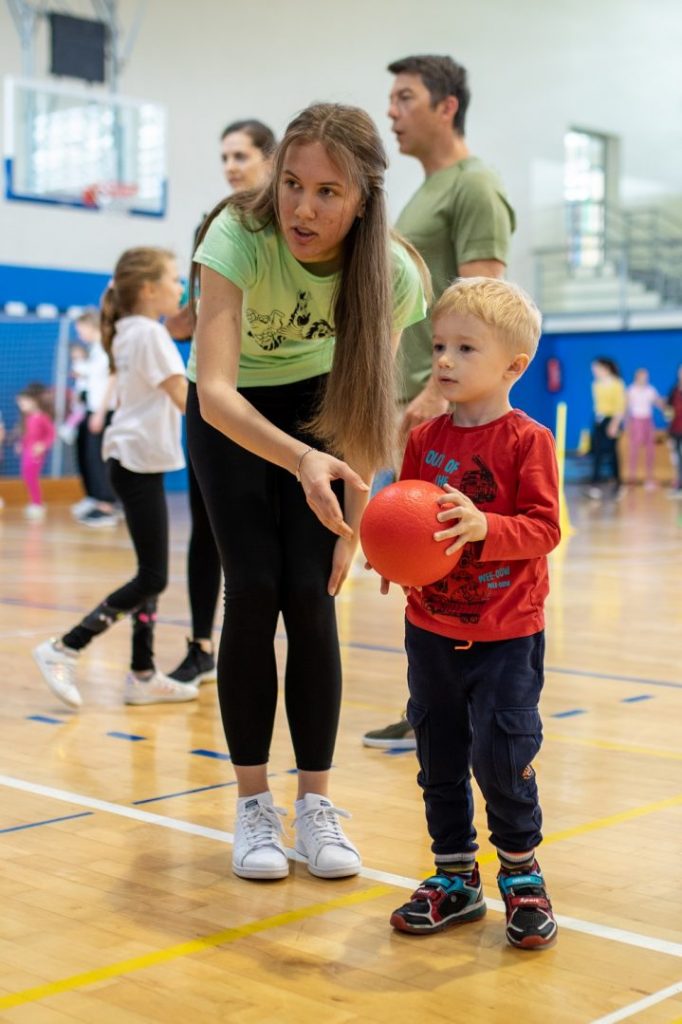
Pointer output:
396, 533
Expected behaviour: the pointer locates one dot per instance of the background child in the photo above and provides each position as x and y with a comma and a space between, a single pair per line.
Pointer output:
36, 437
674, 407
475, 640
608, 398
142, 443
97, 508
642, 398
68, 430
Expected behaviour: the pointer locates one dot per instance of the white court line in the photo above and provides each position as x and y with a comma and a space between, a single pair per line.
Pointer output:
641, 1004
400, 881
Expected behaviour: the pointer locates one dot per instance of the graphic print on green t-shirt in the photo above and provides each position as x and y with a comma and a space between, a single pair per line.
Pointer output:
269, 330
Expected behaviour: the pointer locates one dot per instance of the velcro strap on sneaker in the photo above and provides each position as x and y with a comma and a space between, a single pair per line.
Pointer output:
510, 882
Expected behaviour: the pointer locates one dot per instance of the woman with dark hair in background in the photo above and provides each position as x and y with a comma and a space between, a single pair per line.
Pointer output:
246, 149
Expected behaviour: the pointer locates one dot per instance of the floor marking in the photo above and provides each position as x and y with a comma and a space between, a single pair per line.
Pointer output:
45, 718
642, 1004
569, 714
48, 821
399, 881
635, 700
599, 823
356, 645
211, 753
184, 792
625, 748
126, 736
161, 956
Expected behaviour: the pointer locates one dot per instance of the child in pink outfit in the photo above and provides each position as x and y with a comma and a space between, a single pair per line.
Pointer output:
642, 397
36, 438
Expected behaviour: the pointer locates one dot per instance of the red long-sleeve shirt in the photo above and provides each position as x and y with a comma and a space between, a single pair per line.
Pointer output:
508, 469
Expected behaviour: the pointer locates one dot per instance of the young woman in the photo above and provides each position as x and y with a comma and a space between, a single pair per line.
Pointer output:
303, 297
141, 444
246, 149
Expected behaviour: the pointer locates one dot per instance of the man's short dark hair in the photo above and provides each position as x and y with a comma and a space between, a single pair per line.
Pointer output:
443, 77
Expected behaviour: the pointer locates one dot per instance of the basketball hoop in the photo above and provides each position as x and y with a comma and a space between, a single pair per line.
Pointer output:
109, 195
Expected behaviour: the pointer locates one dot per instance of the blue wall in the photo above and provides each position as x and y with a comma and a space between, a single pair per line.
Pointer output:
62, 288
660, 352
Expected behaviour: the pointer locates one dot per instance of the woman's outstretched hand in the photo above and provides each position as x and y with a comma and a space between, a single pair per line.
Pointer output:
317, 470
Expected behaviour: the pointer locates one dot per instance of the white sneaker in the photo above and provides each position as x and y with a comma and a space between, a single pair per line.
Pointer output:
82, 507
158, 689
258, 850
59, 671
36, 512
321, 840
67, 433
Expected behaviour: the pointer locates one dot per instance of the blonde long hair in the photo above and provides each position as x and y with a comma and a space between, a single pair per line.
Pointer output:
134, 267
355, 417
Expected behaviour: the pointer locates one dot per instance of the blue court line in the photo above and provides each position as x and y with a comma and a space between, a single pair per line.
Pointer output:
211, 753
184, 792
569, 714
376, 647
394, 751
50, 821
635, 700
126, 736
45, 718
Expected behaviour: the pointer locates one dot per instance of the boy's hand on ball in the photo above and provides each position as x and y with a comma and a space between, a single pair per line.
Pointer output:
470, 524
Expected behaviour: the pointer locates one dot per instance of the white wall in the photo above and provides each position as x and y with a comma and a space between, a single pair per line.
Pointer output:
536, 67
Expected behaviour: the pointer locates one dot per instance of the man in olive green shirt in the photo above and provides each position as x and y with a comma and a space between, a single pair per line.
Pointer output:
460, 221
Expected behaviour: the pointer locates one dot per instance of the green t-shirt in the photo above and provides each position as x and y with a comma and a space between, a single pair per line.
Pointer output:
287, 312
458, 215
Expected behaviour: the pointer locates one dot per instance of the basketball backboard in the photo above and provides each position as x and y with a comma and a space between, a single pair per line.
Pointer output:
84, 148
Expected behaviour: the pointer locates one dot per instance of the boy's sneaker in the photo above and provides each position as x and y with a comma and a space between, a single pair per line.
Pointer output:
399, 736
322, 841
441, 900
258, 852
530, 921
97, 517
198, 665
158, 689
59, 671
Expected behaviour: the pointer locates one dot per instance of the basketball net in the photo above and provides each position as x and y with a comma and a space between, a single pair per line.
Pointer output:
115, 196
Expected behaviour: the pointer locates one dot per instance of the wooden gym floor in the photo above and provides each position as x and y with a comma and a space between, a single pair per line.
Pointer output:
118, 903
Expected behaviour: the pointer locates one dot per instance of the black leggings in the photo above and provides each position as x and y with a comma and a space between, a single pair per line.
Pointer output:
144, 503
203, 563
604, 451
276, 557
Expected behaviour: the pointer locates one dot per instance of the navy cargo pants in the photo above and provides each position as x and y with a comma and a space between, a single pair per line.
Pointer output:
476, 709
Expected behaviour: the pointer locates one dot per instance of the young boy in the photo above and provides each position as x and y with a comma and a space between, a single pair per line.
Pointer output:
475, 640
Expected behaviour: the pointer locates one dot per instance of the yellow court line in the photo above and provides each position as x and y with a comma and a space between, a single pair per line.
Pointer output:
161, 956
593, 826
625, 748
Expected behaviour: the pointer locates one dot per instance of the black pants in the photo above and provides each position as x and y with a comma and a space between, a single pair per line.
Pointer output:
203, 563
144, 503
477, 709
276, 557
604, 452
97, 474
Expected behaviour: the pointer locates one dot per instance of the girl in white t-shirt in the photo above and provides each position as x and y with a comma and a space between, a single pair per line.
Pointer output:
141, 444
642, 398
